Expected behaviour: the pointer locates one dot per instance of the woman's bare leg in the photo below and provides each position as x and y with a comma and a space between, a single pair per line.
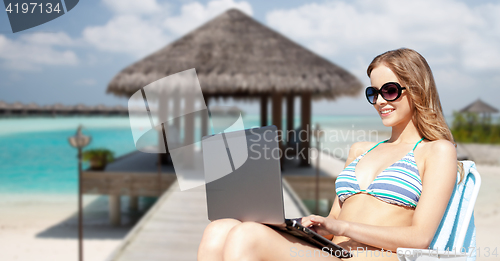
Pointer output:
214, 236
254, 241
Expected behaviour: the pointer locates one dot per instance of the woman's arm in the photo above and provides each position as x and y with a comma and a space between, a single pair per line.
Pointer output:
440, 173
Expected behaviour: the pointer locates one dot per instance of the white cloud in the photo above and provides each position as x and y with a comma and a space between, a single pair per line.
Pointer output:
452, 79
133, 6
131, 31
194, 14
448, 31
127, 34
30, 52
460, 42
134, 29
481, 52
59, 39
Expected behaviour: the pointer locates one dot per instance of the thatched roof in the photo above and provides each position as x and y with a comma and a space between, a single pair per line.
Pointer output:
80, 107
60, 107
234, 55
32, 106
47, 108
100, 107
118, 108
479, 107
16, 106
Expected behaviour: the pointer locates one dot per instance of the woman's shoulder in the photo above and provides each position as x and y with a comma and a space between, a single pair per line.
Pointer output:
360, 147
438, 148
438, 157
438, 153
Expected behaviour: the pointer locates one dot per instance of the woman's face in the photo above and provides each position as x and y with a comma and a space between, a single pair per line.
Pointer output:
392, 113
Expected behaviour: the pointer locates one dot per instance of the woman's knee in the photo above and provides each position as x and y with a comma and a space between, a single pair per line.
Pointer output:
221, 226
215, 233
244, 241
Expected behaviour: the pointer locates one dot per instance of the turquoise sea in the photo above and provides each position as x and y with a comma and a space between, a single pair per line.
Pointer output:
35, 156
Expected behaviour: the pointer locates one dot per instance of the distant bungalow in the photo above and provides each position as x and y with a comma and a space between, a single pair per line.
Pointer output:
480, 107
18, 109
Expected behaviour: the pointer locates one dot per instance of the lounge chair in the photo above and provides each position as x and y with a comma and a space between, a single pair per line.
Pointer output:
455, 238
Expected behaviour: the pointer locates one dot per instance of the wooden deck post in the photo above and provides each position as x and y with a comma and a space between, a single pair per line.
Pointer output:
163, 113
289, 117
134, 203
114, 209
263, 110
305, 118
277, 119
176, 112
204, 120
188, 120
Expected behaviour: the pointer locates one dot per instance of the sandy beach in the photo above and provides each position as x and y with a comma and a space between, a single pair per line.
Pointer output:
45, 227
487, 212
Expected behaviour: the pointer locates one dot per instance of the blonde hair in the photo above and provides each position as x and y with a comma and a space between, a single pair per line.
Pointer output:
412, 70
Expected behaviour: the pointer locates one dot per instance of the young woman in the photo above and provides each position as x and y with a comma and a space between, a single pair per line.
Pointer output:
390, 194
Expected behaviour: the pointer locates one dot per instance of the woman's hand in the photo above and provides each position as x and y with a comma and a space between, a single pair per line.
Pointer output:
325, 225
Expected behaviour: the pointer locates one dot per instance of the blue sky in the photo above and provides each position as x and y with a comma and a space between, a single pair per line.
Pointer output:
72, 59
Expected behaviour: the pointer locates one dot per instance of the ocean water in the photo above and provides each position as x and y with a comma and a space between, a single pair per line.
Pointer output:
35, 156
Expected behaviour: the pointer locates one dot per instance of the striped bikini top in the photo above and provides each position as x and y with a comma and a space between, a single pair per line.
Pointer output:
398, 184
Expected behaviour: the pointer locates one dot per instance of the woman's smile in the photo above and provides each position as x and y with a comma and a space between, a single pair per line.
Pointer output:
386, 112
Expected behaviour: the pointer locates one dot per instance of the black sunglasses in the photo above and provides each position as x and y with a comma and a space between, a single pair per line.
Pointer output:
390, 91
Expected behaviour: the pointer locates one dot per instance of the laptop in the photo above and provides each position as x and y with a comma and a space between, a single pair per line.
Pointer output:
243, 181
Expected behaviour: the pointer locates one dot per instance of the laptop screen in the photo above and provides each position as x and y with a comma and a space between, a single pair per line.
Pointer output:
243, 177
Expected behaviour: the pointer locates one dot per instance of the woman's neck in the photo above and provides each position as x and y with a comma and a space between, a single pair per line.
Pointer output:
404, 133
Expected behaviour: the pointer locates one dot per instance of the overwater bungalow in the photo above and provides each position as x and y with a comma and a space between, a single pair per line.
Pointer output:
32, 108
58, 109
118, 110
100, 108
17, 108
4, 108
80, 109
234, 56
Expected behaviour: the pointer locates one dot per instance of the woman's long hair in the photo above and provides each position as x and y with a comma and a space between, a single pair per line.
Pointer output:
412, 69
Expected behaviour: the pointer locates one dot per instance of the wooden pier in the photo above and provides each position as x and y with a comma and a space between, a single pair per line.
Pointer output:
133, 175
173, 227
136, 175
